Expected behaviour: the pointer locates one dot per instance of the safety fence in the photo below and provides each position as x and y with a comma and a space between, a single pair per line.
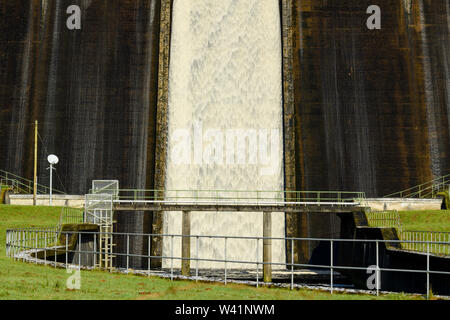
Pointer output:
434, 242
22, 244
30, 238
384, 219
71, 216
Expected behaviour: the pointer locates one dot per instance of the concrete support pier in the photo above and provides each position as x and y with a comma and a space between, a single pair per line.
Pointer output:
267, 246
186, 244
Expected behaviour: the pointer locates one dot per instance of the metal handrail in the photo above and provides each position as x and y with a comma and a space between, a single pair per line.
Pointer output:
384, 219
240, 195
70, 215
26, 184
421, 191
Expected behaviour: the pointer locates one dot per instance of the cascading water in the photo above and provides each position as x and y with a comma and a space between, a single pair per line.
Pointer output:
225, 82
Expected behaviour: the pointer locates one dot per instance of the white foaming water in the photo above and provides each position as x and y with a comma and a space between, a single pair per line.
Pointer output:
225, 73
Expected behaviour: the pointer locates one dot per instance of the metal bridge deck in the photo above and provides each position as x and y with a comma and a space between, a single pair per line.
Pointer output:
143, 205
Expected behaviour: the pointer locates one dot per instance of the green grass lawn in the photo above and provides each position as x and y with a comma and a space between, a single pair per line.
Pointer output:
428, 220
20, 280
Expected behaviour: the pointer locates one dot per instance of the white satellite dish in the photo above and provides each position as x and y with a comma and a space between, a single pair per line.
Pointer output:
52, 159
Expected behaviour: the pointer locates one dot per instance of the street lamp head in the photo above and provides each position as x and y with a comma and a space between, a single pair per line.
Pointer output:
52, 159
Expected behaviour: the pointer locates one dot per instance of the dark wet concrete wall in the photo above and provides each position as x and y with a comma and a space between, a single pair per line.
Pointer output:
93, 90
371, 107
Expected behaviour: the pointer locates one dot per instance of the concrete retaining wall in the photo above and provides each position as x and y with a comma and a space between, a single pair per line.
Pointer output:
401, 204
75, 201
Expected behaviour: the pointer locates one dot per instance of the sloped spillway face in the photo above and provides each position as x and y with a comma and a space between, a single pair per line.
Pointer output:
225, 120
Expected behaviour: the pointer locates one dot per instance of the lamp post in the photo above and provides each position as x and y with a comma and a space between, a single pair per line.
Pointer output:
52, 159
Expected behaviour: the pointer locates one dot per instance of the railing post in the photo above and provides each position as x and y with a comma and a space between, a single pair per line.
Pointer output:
428, 270
12, 236
377, 272
225, 258
196, 257
79, 250
292, 264
9, 234
257, 265
67, 250
56, 245
267, 246
186, 244
95, 250
7, 243
22, 242
149, 261
128, 251
45, 247
36, 235
331, 266
17, 247
171, 259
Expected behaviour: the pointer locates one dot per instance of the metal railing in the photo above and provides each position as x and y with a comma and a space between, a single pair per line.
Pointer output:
24, 239
384, 219
71, 216
22, 243
237, 197
25, 186
425, 190
12, 184
417, 241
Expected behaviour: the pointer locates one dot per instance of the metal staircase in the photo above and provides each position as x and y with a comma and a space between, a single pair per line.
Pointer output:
22, 185
430, 189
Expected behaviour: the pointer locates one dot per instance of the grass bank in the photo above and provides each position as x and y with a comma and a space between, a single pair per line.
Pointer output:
427, 220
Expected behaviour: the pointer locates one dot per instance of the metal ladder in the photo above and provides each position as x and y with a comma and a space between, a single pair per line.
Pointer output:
106, 250
99, 210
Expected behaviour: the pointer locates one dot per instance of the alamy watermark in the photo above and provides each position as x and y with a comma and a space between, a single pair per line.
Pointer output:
374, 21
373, 282
74, 20
227, 147
74, 281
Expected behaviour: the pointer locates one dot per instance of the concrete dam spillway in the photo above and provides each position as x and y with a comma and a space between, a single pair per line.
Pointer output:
225, 74
359, 110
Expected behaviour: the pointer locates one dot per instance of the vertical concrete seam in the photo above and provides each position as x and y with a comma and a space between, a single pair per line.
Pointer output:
289, 119
161, 118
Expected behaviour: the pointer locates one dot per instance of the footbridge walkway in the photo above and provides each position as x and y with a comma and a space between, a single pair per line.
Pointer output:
105, 197
231, 201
